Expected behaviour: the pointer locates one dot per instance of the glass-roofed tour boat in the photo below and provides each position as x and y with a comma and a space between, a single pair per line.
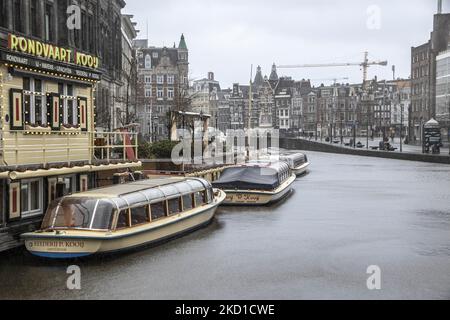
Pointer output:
124, 216
298, 162
256, 183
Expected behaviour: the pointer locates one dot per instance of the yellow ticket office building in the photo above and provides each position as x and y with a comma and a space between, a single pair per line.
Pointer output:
48, 138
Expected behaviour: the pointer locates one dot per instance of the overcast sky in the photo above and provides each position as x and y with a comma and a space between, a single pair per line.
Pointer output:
226, 37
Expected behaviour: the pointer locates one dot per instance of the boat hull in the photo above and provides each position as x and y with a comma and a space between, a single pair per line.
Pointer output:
76, 244
258, 198
301, 169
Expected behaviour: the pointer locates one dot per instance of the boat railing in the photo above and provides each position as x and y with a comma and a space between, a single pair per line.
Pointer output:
115, 146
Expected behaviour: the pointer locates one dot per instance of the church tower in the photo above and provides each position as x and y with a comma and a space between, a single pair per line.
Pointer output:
183, 62
273, 74
259, 80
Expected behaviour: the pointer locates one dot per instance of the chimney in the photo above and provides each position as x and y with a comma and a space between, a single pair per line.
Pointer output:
439, 6
211, 76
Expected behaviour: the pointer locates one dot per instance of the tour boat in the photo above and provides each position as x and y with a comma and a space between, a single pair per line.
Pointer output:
255, 183
298, 162
123, 217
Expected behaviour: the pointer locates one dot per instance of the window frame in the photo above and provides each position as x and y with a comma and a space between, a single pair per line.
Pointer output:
31, 109
128, 213
149, 218
180, 206
37, 212
64, 100
147, 61
164, 202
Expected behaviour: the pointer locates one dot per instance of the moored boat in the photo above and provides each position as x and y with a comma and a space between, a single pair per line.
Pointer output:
255, 183
298, 162
123, 217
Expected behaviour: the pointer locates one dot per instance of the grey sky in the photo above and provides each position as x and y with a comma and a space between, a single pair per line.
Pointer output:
228, 36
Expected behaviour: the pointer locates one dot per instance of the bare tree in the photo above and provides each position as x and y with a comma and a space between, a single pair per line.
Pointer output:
182, 103
130, 78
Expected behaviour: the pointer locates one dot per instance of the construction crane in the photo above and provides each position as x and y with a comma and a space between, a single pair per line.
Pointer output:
365, 65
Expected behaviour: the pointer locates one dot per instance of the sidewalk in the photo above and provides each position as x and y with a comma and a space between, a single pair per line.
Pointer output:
407, 148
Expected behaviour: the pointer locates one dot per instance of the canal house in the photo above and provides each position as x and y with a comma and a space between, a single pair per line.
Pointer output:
49, 144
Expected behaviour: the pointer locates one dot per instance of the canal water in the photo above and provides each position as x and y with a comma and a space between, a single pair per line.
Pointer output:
347, 214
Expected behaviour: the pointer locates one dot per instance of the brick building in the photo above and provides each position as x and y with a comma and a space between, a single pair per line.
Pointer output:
162, 86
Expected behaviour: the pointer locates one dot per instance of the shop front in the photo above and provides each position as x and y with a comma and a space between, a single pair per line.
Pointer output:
48, 137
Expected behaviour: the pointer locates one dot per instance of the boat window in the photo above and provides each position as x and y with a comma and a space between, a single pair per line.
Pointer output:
139, 215
50, 215
209, 194
123, 220
74, 213
153, 194
158, 210
195, 185
169, 190
199, 198
187, 202
104, 215
174, 206
134, 199
183, 187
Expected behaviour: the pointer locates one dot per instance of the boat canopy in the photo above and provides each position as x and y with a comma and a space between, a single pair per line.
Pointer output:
253, 176
294, 160
95, 209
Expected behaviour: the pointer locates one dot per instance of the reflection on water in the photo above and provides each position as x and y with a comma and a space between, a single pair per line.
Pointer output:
317, 243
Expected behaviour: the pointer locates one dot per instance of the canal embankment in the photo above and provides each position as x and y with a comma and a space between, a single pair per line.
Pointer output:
307, 145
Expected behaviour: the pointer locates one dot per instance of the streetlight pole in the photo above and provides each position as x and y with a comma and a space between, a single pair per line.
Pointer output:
401, 127
448, 127
367, 132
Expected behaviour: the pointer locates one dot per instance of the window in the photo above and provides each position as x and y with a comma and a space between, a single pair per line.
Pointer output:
148, 92
104, 215
3, 14
34, 18
123, 221
148, 62
139, 215
174, 206
48, 22
33, 99
170, 93
158, 210
170, 79
187, 202
69, 105
160, 93
160, 79
209, 195
31, 197
155, 55
199, 198
148, 79
70, 182
18, 21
